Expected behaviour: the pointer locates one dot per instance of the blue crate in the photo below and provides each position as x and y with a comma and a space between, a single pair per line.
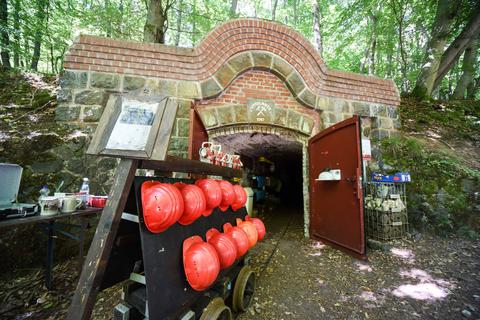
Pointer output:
399, 177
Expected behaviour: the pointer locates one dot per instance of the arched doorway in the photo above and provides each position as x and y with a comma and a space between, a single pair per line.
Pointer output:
275, 168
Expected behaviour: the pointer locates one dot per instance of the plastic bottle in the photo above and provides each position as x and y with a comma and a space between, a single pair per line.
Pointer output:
84, 191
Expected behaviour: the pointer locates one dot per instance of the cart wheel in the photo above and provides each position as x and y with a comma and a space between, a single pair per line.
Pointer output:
216, 310
243, 289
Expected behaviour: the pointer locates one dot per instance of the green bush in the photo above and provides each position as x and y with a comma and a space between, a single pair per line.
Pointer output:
438, 198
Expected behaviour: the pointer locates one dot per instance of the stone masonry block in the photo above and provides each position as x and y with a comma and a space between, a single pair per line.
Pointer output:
241, 62
378, 111
91, 97
64, 95
392, 112
240, 113
209, 117
104, 80
210, 88
183, 126
294, 120
92, 113
262, 59
225, 115
307, 125
295, 82
160, 87
361, 108
308, 97
224, 75
67, 113
183, 110
73, 80
178, 144
280, 117
133, 83
380, 134
188, 89
323, 103
281, 67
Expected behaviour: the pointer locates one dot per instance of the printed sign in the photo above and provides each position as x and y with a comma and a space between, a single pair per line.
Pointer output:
260, 110
133, 126
366, 149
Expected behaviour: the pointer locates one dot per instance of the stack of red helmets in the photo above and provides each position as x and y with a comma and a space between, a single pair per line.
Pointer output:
162, 205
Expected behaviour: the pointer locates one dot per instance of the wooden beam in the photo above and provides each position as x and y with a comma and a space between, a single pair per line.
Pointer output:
99, 252
190, 166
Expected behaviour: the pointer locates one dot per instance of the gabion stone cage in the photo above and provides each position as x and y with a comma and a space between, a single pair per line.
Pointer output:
386, 210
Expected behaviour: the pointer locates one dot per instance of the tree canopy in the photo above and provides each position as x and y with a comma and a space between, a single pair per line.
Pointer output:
428, 47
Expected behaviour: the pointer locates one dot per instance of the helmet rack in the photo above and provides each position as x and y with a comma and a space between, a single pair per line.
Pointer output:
121, 240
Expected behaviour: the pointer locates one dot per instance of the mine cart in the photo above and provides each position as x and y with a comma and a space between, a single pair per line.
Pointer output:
170, 268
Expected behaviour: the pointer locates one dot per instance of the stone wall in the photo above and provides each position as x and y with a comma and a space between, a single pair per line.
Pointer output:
84, 94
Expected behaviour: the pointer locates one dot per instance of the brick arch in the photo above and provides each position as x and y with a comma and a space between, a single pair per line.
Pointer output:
232, 105
285, 133
195, 71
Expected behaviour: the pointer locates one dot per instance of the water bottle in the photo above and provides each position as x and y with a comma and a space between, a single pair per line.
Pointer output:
84, 191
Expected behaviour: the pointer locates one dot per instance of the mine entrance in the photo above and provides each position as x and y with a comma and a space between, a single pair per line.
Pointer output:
273, 171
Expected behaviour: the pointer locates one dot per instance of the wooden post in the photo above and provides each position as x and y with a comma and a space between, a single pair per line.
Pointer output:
99, 252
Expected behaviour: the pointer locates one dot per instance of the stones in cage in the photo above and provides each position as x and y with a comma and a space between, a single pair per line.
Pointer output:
386, 225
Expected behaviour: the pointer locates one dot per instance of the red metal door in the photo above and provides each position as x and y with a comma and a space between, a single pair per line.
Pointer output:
336, 206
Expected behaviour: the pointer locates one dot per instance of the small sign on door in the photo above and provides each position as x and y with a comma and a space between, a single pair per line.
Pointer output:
366, 150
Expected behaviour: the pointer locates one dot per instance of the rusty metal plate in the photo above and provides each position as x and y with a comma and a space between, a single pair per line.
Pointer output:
336, 207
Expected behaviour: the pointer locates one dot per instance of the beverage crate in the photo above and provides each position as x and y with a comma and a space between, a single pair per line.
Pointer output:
386, 216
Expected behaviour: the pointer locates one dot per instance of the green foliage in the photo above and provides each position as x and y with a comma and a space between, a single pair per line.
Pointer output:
401, 29
438, 198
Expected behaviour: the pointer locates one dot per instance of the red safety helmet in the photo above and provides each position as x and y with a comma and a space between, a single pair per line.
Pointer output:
259, 225
250, 230
225, 246
162, 205
240, 197
194, 202
228, 194
200, 263
212, 192
240, 237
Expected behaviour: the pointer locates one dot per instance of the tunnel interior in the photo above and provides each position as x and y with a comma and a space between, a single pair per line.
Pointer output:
273, 166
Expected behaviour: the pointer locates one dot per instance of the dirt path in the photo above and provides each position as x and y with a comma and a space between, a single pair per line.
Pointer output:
432, 278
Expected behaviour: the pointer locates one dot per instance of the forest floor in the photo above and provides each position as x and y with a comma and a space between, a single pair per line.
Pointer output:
423, 278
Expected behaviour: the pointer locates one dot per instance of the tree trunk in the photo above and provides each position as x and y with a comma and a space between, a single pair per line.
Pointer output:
233, 8
194, 24
295, 12
472, 88
16, 34
468, 70
157, 21
317, 26
371, 66
399, 11
458, 46
5, 40
179, 23
442, 25
42, 7
274, 9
